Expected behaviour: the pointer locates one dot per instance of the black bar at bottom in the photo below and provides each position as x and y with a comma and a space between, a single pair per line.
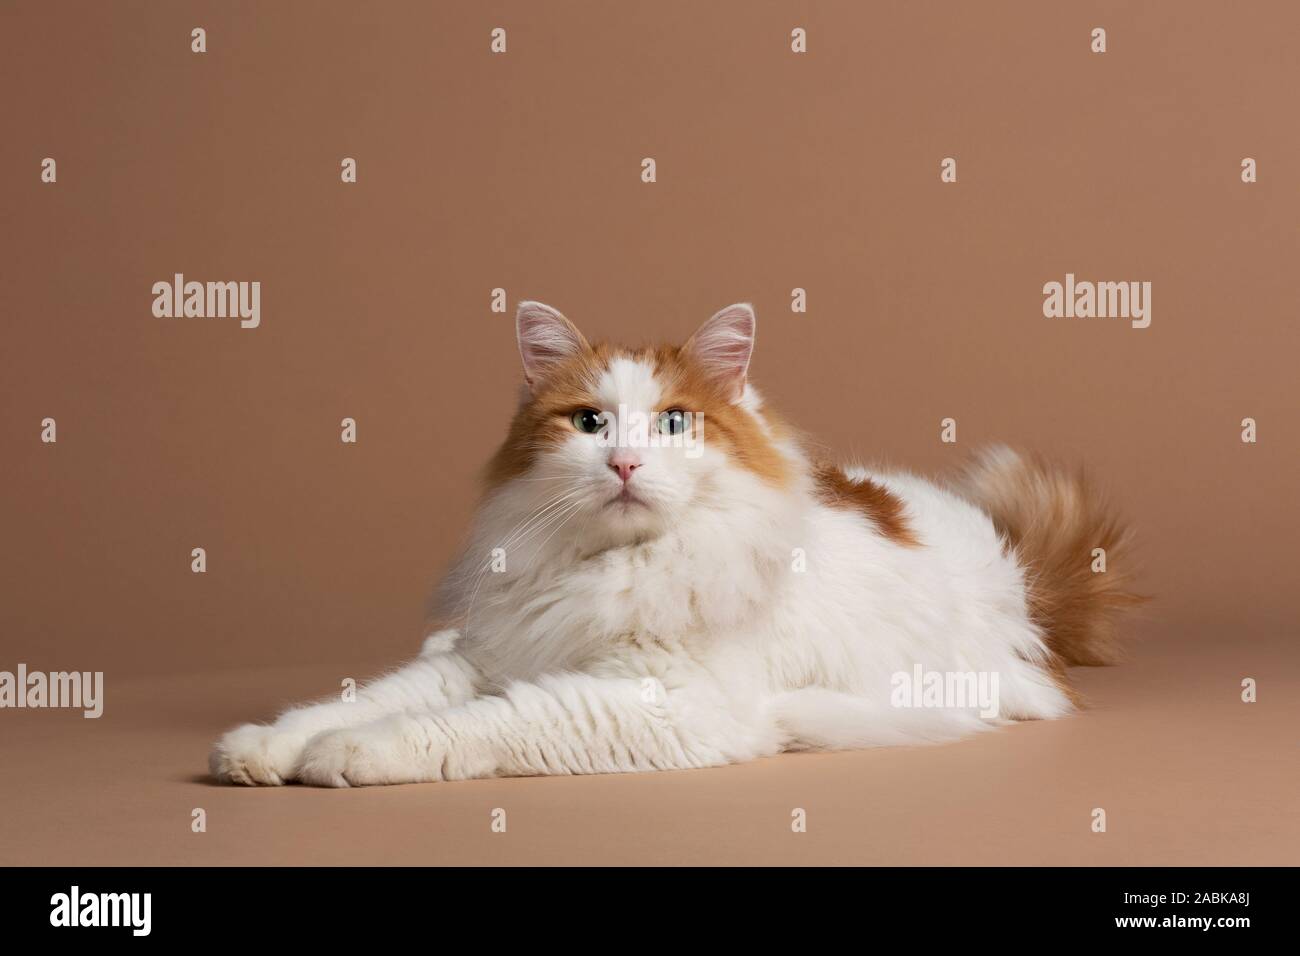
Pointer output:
240, 906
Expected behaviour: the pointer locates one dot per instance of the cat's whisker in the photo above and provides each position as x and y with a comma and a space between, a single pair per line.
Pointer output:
514, 532
522, 525
530, 525
553, 504
540, 526
572, 511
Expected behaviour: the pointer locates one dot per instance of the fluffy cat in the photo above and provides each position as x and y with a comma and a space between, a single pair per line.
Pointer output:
660, 576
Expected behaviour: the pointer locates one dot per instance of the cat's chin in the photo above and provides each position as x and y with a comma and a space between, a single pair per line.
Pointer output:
629, 520
628, 501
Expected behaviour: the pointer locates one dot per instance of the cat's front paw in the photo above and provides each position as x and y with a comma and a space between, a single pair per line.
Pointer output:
254, 755
393, 750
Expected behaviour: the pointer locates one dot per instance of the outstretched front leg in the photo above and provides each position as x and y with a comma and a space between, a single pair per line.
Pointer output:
269, 754
561, 724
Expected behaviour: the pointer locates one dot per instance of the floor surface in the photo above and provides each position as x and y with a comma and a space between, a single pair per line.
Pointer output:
1186, 772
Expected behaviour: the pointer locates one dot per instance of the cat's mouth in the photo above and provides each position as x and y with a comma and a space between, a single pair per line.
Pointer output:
627, 498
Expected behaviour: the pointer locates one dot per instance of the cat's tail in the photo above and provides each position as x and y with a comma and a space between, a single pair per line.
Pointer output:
1075, 549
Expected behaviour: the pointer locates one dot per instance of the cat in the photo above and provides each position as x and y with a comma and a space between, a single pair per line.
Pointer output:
692, 587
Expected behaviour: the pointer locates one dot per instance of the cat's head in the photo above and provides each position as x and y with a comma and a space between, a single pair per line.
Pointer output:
635, 441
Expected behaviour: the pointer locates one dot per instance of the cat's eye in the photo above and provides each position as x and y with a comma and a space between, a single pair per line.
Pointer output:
672, 422
588, 421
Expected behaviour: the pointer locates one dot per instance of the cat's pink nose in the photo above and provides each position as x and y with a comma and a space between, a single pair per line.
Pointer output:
624, 463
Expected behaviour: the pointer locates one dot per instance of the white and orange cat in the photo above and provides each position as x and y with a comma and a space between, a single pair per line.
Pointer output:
660, 576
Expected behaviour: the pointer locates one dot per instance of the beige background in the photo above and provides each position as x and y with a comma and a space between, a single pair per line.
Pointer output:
521, 171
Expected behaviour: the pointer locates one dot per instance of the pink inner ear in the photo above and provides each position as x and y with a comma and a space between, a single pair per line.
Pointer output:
723, 345
545, 338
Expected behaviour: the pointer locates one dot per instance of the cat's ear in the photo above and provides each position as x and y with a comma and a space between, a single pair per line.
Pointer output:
722, 346
546, 338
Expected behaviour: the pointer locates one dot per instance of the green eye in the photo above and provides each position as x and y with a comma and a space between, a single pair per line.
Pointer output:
672, 422
588, 421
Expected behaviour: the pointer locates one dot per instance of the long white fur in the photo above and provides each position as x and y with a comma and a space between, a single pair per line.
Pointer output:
677, 635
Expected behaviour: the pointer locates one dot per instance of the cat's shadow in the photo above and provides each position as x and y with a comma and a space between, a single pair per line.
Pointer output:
207, 780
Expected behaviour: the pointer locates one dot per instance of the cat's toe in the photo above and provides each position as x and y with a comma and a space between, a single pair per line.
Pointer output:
252, 755
337, 758
361, 757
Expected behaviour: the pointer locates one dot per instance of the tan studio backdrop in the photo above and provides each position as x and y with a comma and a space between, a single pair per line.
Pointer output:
522, 170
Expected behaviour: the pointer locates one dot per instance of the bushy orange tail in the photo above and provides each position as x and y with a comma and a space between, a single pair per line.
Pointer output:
1054, 519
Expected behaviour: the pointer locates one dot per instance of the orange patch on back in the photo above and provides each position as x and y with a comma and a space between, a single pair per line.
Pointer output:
882, 507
